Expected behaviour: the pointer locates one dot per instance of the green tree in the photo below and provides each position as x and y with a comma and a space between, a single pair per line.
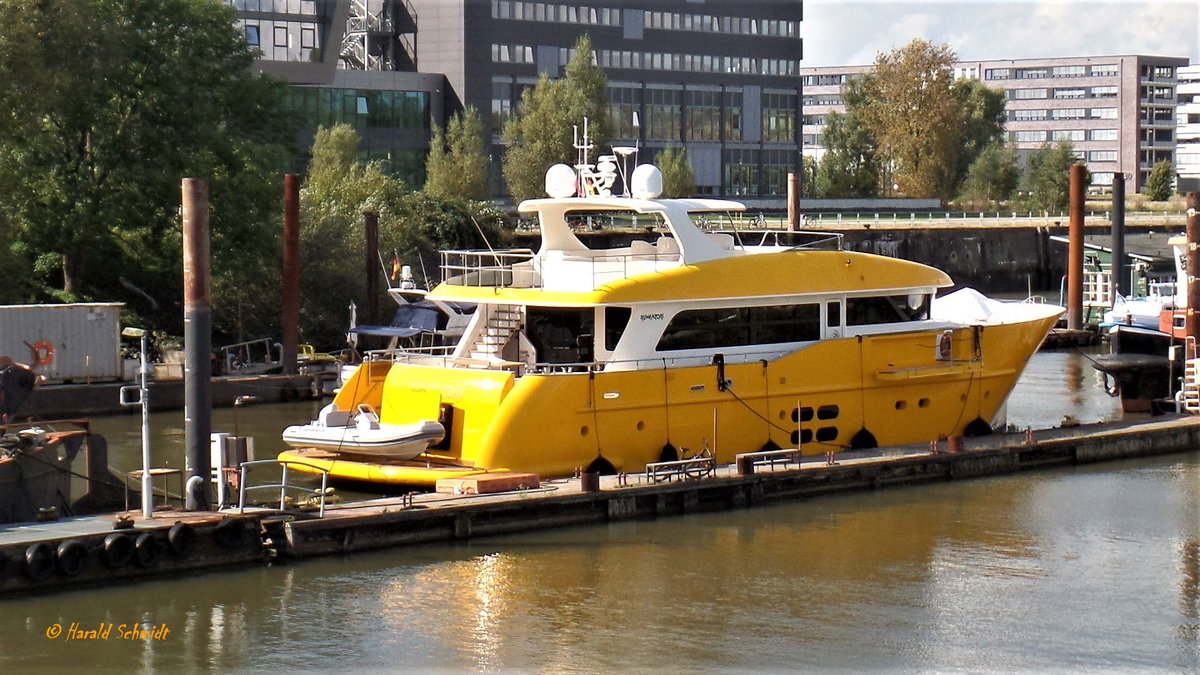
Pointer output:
412, 225
1161, 182
983, 117
109, 103
808, 176
1048, 177
849, 167
679, 179
457, 165
336, 192
540, 134
910, 110
992, 177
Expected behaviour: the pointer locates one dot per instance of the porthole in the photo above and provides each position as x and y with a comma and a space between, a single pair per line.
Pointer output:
641, 425
923, 403
827, 434
583, 431
802, 414
901, 405
802, 436
827, 412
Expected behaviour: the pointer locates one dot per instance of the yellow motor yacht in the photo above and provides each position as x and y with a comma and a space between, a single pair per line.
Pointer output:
612, 358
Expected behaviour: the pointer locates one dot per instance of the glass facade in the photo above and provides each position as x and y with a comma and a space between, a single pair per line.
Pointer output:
284, 30
385, 122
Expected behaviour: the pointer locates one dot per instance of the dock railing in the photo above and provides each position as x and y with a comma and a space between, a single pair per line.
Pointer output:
283, 485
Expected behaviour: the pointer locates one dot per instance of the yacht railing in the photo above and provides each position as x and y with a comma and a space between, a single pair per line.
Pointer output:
482, 268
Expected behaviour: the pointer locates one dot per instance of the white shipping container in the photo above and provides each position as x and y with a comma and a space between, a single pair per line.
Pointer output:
75, 343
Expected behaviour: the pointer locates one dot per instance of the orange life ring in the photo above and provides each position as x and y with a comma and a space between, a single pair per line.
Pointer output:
43, 352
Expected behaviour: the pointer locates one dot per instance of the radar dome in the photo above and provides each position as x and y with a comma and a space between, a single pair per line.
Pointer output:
647, 182
560, 181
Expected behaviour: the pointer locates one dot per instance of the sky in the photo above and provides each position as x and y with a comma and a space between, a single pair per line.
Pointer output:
841, 32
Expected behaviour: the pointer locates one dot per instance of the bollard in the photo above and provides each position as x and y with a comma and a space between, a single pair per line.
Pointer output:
954, 443
745, 466
589, 481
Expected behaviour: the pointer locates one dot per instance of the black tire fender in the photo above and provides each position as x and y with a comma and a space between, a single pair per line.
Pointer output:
117, 551
181, 539
231, 533
72, 557
146, 550
39, 561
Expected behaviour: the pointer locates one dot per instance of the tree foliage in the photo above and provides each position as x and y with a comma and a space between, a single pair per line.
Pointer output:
1048, 177
540, 134
457, 166
1161, 182
849, 167
911, 112
983, 117
413, 226
679, 179
991, 178
108, 105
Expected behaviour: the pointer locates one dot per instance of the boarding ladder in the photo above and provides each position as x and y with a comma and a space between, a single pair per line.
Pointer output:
1189, 389
502, 322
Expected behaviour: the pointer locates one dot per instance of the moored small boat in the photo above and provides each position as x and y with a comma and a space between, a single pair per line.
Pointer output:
359, 432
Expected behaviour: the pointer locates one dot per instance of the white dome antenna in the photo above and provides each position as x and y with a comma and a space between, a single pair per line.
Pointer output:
561, 181
647, 182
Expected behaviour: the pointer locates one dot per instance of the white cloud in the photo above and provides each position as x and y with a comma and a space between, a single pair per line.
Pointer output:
852, 33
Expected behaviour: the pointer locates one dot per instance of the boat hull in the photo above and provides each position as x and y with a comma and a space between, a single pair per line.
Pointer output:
386, 441
860, 391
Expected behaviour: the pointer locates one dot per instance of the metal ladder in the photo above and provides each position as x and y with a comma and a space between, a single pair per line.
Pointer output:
1189, 389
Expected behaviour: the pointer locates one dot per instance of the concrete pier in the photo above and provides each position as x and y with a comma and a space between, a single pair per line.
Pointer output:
46, 557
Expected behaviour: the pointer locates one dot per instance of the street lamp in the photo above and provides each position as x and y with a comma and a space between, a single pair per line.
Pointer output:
143, 400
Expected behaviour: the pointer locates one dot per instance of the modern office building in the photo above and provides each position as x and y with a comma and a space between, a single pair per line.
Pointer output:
345, 63
718, 77
1187, 152
1118, 112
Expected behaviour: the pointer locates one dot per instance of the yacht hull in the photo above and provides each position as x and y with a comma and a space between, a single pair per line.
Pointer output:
819, 398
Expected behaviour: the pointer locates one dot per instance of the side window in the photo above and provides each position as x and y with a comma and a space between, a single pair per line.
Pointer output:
886, 309
741, 326
833, 316
615, 321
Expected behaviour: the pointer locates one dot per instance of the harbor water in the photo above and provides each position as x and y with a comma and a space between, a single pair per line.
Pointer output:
1092, 568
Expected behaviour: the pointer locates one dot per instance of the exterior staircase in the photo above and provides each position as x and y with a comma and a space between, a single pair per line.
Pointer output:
502, 322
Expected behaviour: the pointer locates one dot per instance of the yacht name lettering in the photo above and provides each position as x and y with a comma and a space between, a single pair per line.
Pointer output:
652, 317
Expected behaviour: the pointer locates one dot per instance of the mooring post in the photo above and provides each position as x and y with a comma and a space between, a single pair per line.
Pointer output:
1075, 254
1192, 321
1120, 270
793, 201
290, 310
371, 223
197, 339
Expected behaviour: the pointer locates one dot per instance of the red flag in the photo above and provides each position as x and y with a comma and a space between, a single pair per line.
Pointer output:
395, 267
